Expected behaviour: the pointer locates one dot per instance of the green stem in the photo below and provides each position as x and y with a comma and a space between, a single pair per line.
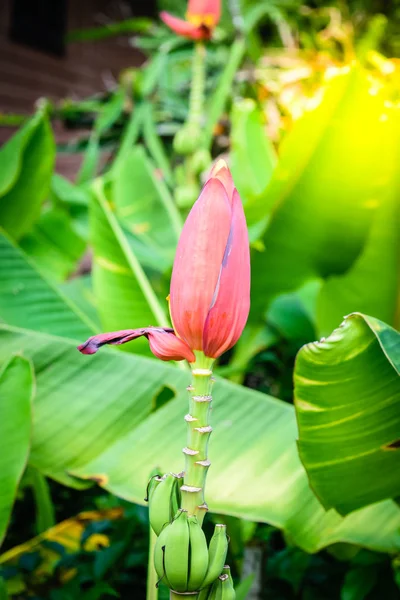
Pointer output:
151, 588
196, 101
198, 434
216, 106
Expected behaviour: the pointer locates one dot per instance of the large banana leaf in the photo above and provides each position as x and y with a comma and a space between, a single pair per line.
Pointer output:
54, 245
28, 299
348, 409
95, 418
125, 297
16, 394
26, 165
357, 289
144, 204
335, 170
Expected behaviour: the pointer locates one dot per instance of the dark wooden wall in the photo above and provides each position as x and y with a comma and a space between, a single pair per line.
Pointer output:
27, 74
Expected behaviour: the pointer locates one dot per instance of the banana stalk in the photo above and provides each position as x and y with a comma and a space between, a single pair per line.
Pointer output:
198, 434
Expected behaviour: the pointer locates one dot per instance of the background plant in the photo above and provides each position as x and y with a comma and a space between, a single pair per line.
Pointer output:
311, 130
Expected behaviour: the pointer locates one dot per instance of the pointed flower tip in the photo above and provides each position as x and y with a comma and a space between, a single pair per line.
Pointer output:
222, 172
163, 342
86, 348
220, 164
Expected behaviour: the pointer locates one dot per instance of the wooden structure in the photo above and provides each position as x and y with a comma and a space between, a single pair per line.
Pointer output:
85, 68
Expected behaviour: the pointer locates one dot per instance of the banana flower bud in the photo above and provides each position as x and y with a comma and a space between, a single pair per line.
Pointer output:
201, 18
210, 284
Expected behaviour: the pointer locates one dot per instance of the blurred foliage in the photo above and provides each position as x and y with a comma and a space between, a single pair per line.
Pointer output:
303, 102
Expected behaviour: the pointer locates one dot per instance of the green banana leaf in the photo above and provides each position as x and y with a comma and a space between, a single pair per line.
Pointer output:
357, 289
335, 170
29, 299
145, 206
347, 397
26, 166
96, 419
16, 393
125, 297
54, 245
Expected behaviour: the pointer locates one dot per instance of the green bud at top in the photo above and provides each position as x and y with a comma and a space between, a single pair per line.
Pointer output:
187, 139
186, 195
201, 160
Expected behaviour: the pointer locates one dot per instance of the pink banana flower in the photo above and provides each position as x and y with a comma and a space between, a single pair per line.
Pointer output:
210, 284
202, 16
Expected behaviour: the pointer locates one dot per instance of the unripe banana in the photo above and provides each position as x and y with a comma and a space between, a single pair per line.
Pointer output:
226, 591
164, 501
151, 486
159, 556
198, 558
171, 555
216, 555
215, 590
227, 571
204, 594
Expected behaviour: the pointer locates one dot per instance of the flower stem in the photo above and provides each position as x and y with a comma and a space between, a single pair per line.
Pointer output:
196, 102
198, 434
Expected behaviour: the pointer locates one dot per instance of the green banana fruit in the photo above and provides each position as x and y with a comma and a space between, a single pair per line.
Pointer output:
215, 590
227, 571
216, 555
164, 500
204, 594
159, 556
171, 554
226, 591
198, 557
151, 486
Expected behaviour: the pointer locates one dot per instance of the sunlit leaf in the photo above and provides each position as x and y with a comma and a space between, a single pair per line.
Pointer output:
372, 284
334, 173
347, 391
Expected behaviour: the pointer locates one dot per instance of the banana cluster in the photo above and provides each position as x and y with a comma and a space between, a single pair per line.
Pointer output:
182, 558
222, 589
